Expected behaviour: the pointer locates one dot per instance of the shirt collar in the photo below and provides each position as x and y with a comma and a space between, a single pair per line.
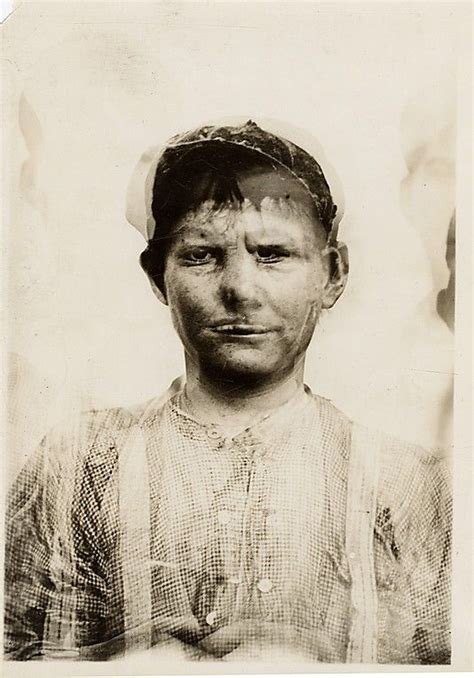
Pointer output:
280, 422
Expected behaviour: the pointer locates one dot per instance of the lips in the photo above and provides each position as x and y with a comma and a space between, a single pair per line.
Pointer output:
240, 329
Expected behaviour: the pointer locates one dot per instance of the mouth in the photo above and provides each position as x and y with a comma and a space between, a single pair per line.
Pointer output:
240, 330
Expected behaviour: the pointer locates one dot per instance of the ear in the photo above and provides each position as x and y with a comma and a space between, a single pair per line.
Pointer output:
338, 270
151, 272
159, 293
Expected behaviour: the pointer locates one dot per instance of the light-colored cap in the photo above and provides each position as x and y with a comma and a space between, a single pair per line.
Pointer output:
303, 157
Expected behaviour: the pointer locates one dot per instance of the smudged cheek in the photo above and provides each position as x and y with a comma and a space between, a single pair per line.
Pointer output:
297, 324
191, 307
298, 303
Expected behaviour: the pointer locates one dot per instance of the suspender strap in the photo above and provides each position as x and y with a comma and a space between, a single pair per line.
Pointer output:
134, 501
360, 520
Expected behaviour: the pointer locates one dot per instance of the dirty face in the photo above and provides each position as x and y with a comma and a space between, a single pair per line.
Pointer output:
245, 283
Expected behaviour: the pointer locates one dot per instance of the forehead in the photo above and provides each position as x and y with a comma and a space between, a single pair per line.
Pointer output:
273, 203
278, 183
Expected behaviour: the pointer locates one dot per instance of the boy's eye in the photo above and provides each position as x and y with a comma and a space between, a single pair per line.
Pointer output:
271, 254
198, 256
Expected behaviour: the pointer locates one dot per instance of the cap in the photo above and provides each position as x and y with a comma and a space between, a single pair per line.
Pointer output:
316, 175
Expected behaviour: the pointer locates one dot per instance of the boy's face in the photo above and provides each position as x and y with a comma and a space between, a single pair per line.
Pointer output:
246, 284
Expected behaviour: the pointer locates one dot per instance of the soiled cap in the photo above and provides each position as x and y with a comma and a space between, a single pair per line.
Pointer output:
307, 167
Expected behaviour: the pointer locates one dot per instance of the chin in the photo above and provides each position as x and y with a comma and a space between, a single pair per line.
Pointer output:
243, 371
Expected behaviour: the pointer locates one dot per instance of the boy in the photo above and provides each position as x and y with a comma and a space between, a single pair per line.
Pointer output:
239, 513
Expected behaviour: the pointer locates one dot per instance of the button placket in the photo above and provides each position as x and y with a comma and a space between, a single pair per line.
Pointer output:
258, 526
229, 515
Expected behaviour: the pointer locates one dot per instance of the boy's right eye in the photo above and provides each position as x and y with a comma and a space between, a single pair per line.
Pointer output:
198, 255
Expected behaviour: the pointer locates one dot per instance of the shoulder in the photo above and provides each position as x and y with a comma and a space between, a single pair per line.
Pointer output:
78, 454
329, 413
93, 437
335, 426
414, 488
414, 483
405, 469
404, 464
333, 431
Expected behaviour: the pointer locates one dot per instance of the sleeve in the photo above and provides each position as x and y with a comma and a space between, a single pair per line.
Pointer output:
28, 587
55, 588
430, 581
413, 555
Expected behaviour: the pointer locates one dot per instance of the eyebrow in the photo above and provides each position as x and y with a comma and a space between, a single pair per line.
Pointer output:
218, 243
204, 231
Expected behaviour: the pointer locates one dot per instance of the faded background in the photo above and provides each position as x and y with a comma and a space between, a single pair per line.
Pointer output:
90, 86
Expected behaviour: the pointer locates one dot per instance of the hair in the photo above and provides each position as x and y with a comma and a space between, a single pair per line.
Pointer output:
201, 173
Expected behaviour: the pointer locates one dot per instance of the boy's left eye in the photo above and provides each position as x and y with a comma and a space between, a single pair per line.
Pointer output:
270, 254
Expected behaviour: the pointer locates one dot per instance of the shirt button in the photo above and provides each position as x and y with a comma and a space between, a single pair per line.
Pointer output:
211, 618
265, 585
213, 434
223, 517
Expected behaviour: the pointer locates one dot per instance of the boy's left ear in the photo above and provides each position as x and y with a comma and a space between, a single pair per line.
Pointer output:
338, 270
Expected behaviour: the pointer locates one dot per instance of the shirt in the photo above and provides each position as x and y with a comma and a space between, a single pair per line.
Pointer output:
303, 532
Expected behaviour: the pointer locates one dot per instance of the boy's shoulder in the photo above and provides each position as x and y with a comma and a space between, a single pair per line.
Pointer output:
93, 438
414, 489
92, 433
408, 474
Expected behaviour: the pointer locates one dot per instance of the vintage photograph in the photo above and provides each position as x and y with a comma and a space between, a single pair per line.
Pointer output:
231, 324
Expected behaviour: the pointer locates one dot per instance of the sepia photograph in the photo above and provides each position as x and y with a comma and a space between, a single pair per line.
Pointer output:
237, 325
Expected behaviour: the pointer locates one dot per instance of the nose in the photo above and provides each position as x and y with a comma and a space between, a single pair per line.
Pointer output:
238, 284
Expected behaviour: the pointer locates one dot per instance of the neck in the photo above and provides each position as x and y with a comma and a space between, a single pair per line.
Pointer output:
239, 402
